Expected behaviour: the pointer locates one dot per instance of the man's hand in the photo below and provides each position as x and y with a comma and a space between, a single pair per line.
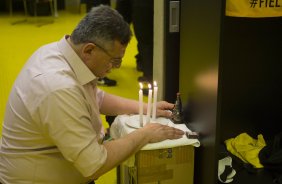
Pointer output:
156, 132
163, 109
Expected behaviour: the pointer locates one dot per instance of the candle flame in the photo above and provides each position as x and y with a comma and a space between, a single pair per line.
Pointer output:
155, 83
141, 85
149, 86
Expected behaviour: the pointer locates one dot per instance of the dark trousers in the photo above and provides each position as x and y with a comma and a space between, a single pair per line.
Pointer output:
93, 3
140, 14
124, 7
143, 28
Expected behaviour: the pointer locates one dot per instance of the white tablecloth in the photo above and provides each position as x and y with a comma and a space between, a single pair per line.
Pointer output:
124, 124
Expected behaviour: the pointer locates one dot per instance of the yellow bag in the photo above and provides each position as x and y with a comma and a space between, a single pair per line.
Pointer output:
254, 8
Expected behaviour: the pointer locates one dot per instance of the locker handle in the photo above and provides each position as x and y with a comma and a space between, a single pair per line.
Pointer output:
173, 16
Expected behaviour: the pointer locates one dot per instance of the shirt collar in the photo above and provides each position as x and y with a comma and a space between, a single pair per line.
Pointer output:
82, 72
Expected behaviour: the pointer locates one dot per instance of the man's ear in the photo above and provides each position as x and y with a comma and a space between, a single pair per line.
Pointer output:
87, 50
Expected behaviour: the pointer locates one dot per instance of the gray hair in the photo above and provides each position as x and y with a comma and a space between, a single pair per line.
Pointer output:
102, 25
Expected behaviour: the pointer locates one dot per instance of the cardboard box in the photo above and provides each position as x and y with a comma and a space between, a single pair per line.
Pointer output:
165, 166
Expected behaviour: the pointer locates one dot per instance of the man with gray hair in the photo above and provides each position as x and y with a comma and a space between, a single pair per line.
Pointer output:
52, 131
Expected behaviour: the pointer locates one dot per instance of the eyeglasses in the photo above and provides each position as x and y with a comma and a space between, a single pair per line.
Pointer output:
116, 62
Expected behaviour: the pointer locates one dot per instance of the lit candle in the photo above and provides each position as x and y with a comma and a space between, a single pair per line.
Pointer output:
141, 105
155, 100
149, 105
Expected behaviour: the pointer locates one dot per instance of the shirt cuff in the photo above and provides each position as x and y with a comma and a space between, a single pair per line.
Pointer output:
91, 159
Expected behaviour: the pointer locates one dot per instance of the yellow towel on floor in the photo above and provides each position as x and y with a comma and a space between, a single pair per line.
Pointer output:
246, 148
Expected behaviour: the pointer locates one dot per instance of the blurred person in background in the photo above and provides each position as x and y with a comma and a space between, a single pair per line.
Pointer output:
141, 14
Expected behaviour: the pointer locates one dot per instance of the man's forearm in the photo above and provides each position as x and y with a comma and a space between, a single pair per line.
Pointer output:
120, 149
115, 105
